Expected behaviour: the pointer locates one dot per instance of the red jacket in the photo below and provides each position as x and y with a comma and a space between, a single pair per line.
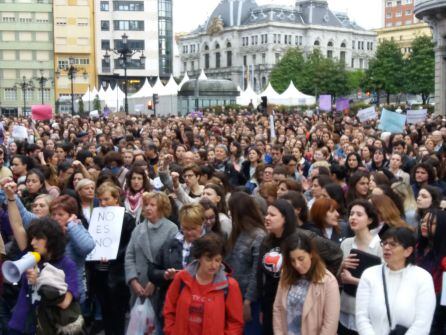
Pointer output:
223, 306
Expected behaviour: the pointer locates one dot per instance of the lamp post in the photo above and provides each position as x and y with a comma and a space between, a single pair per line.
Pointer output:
25, 85
71, 73
125, 54
42, 81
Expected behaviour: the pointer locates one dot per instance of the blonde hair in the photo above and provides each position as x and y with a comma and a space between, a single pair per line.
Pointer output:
115, 191
405, 192
46, 197
83, 183
162, 202
192, 215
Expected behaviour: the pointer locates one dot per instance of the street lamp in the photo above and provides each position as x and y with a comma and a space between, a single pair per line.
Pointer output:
125, 55
71, 73
42, 81
25, 85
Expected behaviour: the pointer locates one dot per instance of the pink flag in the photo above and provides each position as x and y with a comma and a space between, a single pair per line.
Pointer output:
41, 112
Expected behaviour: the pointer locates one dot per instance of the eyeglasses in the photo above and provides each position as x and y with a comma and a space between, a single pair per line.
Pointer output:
390, 244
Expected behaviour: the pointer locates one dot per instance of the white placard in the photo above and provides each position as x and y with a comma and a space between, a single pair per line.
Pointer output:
367, 114
416, 116
157, 183
105, 228
19, 132
271, 126
94, 113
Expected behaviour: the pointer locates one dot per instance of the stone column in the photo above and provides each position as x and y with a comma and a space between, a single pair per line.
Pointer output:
440, 79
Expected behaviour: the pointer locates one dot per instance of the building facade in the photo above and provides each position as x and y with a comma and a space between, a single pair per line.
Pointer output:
73, 39
243, 41
26, 54
399, 13
148, 25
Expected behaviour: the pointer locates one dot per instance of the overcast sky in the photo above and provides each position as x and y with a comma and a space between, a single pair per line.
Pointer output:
188, 14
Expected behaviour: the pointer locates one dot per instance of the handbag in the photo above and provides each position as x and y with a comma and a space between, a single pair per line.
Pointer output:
398, 330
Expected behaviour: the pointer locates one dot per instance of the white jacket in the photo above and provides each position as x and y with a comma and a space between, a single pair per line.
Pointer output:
413, 305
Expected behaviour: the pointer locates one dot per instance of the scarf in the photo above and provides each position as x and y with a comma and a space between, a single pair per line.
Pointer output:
134, 201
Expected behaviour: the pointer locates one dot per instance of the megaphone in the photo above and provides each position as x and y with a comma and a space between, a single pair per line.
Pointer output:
12, 271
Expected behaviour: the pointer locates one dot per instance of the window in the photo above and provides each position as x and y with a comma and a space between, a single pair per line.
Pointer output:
254, 59
105, 44
192, 48
389, 24
62, 63
128, 6
9, 18
408, 12
398, 2
264, 58
398, 23
342, 57
277, 56
184, 66
82, 22
389, 4
317, 43
128, 25
192, 66
264, 38
61, 21
388, 15
245, 60
25, 20
41, 17
407, 2
361, 63
132, 44
329, 53
206, 61
105, 7
217, 60
398, 14
105, 25
10, 94
228, 58
29, 94
408, 22
353, 45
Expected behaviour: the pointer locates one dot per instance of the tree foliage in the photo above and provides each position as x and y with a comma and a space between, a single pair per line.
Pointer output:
355, 79
96, 104
290, 68
81, 106
386, 70
420, 69
314, 75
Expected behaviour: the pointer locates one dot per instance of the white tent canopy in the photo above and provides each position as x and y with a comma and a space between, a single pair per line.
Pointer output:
273, 96
185, 78
101, 93
292, 97
159, 88
202, 75
171, 87
114, 97
248, 96
146, 91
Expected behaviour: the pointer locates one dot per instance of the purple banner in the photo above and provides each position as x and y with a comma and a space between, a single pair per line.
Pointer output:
106, 112
325, 103
342, 104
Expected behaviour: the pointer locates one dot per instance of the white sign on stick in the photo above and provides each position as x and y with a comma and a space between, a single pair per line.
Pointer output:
416, 116
367, 114
19, 132
105, 228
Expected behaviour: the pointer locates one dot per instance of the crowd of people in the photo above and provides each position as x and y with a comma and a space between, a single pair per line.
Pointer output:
235, 223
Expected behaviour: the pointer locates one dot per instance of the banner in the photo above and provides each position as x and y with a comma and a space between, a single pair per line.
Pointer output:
416, 116
325, 103
105, 228
392, 122
367, 114
342, 104
106, 112
41, 112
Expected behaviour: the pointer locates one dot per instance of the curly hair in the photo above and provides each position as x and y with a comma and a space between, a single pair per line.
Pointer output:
50, 230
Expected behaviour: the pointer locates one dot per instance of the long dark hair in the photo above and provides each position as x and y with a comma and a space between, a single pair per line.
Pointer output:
353, 180
435, 241
207, 204
245, 215
145, 181
287, 211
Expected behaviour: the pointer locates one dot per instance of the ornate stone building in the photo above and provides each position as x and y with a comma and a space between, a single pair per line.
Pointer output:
242, 41
434, 13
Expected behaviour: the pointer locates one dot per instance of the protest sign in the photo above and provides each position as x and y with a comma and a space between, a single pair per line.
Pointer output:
325, 103
94, 114
366, 114
416, 116
105, 228
41, 112
19, 133
391, 121
342, 104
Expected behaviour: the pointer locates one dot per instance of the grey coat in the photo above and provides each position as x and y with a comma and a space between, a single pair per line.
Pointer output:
243, 260
147, 239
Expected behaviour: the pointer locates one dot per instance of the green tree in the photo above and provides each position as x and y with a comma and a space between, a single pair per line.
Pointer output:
81, 106
386, 70
96, 103
324, 75
420, 69
355, 79
290, 67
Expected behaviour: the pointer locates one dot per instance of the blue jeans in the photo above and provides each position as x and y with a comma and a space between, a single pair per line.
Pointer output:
253, 327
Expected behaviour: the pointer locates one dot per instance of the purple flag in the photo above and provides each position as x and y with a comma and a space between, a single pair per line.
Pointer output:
342, 104
106, 112
325, 103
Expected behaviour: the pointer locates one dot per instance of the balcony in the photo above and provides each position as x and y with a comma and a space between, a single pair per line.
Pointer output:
428, 7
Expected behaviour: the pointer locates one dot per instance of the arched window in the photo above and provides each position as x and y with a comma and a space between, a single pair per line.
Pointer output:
217, 46
228, 45
330, 44
317, 43
343, 45
217, 60
206, 47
